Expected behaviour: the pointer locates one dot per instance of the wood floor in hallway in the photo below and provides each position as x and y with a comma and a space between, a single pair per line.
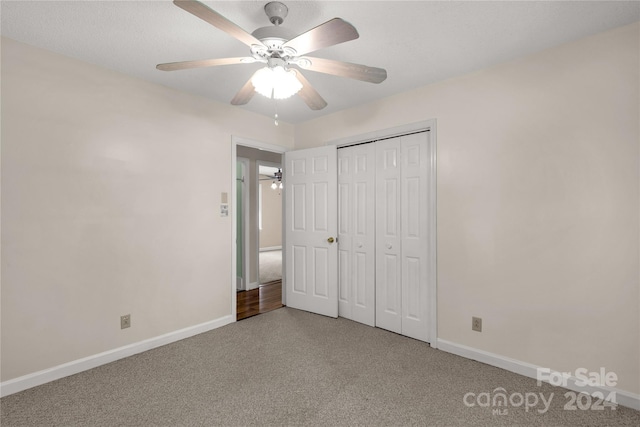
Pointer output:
256, 301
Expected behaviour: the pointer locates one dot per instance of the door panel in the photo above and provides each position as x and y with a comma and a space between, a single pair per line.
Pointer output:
345, 225
414, 228
311, 274
299, 269
360, 265
356, 182
344, 279
298, 201
320, 269
388, 243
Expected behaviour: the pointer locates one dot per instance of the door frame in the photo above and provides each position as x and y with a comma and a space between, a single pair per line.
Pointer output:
246, 142
246, 206
425, 125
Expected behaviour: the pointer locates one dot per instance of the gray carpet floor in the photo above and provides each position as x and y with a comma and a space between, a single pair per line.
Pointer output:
289, 367
270, 267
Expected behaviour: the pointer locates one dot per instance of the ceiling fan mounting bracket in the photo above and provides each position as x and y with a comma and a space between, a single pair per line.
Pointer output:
276, 12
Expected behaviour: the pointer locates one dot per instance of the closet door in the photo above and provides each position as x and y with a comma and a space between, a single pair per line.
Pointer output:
356, 235
414, 239
388, 237
402, 199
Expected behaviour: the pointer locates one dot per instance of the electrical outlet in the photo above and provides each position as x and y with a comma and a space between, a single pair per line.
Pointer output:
476, 324
125, 321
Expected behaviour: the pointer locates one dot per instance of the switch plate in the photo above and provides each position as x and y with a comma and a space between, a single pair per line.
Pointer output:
224, 209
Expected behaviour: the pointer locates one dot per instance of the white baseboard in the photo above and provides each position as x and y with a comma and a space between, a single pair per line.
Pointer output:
271, 248
624, 398
253, 285
47, 375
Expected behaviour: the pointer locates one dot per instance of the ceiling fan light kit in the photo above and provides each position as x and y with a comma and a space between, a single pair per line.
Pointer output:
276, 81
279, 50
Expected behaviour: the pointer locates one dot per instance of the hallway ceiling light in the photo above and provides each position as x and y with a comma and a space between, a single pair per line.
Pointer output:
278, 180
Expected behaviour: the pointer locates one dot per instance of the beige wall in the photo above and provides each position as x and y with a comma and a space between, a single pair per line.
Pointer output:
271, 233
538, 187
110, 205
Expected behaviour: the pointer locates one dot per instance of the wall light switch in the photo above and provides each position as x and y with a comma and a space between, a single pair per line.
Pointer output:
224, 209
224, 198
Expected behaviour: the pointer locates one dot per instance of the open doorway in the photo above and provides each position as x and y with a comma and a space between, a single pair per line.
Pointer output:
269, 222
258, 231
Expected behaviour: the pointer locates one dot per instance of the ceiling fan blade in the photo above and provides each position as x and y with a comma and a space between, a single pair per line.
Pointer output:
309, 95
344, 69
185, 65
245, 93
214, 18
330, 33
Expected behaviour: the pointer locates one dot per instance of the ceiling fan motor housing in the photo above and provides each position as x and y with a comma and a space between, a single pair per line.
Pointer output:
273, 37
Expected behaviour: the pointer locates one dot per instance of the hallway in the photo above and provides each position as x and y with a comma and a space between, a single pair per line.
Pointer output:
266, 298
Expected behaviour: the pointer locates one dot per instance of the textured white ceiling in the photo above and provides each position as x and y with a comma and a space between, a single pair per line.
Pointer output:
417, 42
267, 170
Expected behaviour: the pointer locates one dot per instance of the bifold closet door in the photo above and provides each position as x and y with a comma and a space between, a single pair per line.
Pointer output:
402, 303
356, 233
414, 235
388, 239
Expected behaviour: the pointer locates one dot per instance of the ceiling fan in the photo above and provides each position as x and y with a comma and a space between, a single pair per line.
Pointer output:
276, 179
276, 47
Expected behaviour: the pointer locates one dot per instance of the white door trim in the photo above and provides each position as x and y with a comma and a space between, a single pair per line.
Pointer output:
429, 125
246, 206
235, 142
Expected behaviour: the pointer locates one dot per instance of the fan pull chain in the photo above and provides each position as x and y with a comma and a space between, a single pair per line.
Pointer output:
275, 107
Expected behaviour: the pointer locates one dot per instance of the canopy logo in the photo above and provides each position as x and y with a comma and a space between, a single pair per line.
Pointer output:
500, 402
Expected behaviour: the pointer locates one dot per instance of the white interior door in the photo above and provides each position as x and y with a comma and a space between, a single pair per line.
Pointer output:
388, 237
356, 233
311, 249
402, 227
414, 235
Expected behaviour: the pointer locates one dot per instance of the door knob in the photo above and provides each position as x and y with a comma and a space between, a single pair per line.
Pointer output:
330, 240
